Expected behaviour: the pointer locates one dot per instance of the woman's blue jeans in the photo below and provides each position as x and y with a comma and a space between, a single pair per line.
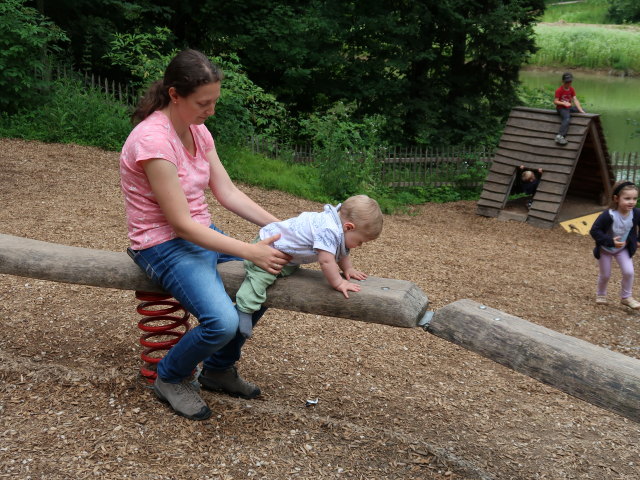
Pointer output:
189, 273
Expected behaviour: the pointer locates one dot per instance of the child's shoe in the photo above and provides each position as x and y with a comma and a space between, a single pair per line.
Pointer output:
601, 300
560, 140
630, 302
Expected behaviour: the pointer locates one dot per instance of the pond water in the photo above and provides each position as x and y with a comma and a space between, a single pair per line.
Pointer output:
616, 99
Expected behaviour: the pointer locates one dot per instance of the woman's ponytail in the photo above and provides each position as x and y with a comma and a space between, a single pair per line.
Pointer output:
156, 98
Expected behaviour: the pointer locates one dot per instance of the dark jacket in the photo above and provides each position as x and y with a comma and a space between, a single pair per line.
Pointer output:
601, 232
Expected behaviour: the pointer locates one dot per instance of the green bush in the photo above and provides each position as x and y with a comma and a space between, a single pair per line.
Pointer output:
26, 40
144, 55
243, 110
536, 97
344, 151
71, 113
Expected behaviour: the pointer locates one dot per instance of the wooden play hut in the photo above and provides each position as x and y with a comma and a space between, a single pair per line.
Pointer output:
576, 178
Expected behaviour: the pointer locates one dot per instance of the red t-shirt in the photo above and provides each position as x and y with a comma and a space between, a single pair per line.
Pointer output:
565, 95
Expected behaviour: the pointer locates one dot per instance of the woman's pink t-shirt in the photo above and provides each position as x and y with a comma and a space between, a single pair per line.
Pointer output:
153, 138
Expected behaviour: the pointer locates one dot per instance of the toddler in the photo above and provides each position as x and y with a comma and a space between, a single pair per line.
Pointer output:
325, 237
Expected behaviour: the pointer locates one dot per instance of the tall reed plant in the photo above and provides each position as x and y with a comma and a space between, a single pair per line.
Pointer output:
587, 47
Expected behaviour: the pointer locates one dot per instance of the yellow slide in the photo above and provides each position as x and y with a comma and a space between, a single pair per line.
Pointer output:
580, 225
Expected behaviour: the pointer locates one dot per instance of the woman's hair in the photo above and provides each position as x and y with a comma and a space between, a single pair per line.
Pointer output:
188, 70
365, 214
617, 190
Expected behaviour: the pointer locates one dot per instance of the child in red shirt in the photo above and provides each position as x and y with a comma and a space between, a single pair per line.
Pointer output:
566, 103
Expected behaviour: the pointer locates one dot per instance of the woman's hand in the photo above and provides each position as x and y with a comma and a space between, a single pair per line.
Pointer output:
268, 258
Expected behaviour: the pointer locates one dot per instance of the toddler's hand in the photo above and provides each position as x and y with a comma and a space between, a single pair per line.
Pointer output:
353, 273
345, 287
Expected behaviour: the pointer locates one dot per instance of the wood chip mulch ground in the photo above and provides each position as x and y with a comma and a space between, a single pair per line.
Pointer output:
392, 403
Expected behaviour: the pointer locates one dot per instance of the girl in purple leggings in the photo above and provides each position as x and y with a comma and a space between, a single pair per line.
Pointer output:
616, 234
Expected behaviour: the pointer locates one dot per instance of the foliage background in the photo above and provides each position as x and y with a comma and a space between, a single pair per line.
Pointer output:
343, 76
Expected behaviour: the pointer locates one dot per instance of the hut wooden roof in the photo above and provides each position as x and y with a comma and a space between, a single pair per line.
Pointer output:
581, 168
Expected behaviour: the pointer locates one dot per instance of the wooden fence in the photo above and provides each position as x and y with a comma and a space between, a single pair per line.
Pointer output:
405, 167
401, 167
420, 166
271, 148
465, 167
625, 165
123, 93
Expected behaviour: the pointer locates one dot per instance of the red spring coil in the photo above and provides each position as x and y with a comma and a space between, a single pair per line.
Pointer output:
160, 327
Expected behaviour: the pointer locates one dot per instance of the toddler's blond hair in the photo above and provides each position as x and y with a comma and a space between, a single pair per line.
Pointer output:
365, 214
528, 175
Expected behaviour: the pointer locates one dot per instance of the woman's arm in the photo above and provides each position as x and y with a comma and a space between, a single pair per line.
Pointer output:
163, 178
231, 197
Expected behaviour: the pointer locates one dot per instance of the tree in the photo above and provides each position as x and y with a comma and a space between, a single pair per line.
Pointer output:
92, 24
26, 40
441, 71
624, 11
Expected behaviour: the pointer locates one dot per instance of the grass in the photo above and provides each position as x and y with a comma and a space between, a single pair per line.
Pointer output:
594, 47
588, 11
305, 181
301, 180
71, 114
600, 45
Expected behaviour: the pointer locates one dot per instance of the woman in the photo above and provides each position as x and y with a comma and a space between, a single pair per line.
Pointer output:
167, 162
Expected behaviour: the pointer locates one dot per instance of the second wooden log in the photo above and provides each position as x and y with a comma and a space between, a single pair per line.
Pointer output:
594, 374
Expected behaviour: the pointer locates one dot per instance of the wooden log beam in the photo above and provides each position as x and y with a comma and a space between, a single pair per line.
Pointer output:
381, 300
594, 374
